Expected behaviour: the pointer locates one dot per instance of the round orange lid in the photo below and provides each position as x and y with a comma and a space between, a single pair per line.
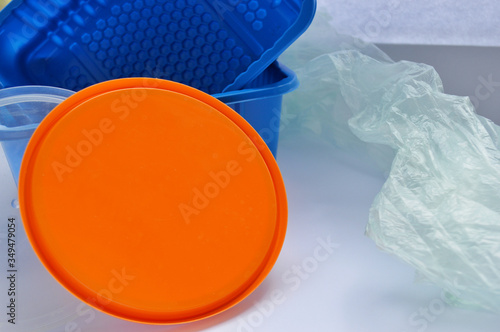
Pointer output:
152, 201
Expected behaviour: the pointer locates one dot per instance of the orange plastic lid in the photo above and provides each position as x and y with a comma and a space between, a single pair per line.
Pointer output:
152, 201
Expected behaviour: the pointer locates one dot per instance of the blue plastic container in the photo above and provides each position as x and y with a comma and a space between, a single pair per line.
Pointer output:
213, 45
22, 109
260, 103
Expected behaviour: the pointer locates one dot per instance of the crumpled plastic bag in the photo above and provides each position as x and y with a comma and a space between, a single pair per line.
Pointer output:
439, 209
317, 111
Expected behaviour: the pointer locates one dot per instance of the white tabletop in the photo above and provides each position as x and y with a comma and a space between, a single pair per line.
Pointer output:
347, 285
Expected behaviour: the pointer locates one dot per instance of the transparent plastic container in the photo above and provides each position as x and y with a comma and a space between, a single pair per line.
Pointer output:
21, 110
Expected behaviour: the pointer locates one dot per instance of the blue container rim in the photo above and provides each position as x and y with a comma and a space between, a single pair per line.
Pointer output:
9, 7
287, 84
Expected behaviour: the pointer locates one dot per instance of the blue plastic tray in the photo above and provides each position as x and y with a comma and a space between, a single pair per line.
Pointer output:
213, 45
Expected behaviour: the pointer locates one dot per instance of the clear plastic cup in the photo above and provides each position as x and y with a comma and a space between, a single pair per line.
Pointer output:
21, 110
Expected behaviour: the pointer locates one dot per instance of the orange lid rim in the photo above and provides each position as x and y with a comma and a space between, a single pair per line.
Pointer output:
149, 83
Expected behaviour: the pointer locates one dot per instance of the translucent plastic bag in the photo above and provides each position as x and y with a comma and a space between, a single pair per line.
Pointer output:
439, 209
318, 111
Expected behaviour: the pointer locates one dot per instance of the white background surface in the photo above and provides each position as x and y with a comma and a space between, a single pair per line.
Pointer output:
357, 288
429, 22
